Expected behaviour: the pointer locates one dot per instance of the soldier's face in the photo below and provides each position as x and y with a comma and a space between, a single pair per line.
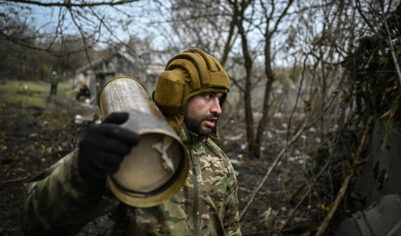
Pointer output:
202, 112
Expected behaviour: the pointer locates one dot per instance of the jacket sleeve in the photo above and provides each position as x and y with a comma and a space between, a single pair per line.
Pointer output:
60, 201
231, 216
231, 221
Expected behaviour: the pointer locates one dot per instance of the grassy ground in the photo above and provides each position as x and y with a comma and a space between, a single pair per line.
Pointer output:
29, 93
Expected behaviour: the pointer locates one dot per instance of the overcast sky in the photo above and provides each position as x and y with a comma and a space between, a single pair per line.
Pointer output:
142, 14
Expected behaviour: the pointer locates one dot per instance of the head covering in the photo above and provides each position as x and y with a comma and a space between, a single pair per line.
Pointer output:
188, 74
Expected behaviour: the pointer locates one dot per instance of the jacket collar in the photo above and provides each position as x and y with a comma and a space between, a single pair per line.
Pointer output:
189, 137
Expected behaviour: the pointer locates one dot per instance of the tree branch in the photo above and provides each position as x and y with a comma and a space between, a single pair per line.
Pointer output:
393, 56
68, 4
281, 17
281, 154
82, 35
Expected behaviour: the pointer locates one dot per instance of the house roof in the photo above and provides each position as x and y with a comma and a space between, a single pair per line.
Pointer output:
153, 62
92, 65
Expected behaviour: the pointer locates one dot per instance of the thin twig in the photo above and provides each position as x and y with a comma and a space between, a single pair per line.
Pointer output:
305, 195
279, 156
81, 31
13, 180
394, 57
68, 4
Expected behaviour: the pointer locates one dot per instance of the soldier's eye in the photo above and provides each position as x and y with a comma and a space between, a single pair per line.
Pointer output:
208, 96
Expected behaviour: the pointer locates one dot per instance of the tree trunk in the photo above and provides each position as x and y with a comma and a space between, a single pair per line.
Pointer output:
265, 112
248, 84
228, 45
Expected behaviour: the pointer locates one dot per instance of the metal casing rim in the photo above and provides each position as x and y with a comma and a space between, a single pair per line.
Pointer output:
169, 189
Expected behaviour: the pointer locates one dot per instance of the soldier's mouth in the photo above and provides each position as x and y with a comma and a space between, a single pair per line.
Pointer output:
210, 121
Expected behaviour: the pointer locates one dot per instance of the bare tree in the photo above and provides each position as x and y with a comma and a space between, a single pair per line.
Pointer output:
273, 18
239, 8
94, 21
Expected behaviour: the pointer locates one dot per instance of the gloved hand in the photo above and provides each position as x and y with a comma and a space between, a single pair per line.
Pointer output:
104, 146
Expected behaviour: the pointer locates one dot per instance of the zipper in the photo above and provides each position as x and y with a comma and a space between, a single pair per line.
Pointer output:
195, 206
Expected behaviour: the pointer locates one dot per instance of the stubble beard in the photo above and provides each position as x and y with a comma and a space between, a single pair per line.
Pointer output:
195, 125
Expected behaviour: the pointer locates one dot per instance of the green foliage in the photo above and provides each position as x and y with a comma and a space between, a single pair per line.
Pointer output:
44, 72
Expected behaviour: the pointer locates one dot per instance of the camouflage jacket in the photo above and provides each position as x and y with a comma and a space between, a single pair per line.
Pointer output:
61, 202
54, 79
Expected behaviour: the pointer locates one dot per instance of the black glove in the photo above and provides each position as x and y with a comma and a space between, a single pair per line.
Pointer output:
104, 146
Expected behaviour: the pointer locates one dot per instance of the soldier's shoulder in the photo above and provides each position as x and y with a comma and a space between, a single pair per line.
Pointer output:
216, 149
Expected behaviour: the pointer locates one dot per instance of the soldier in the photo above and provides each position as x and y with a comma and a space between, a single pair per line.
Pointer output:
53, 83
190, 93
83, 92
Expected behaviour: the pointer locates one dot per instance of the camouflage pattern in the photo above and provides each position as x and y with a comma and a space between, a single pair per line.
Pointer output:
60, 202
54, 79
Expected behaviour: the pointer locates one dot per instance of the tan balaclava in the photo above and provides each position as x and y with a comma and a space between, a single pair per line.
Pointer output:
188, 74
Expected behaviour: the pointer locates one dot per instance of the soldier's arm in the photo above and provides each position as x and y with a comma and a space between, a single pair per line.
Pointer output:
61, 201
231, 221
70, 194
231, 216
